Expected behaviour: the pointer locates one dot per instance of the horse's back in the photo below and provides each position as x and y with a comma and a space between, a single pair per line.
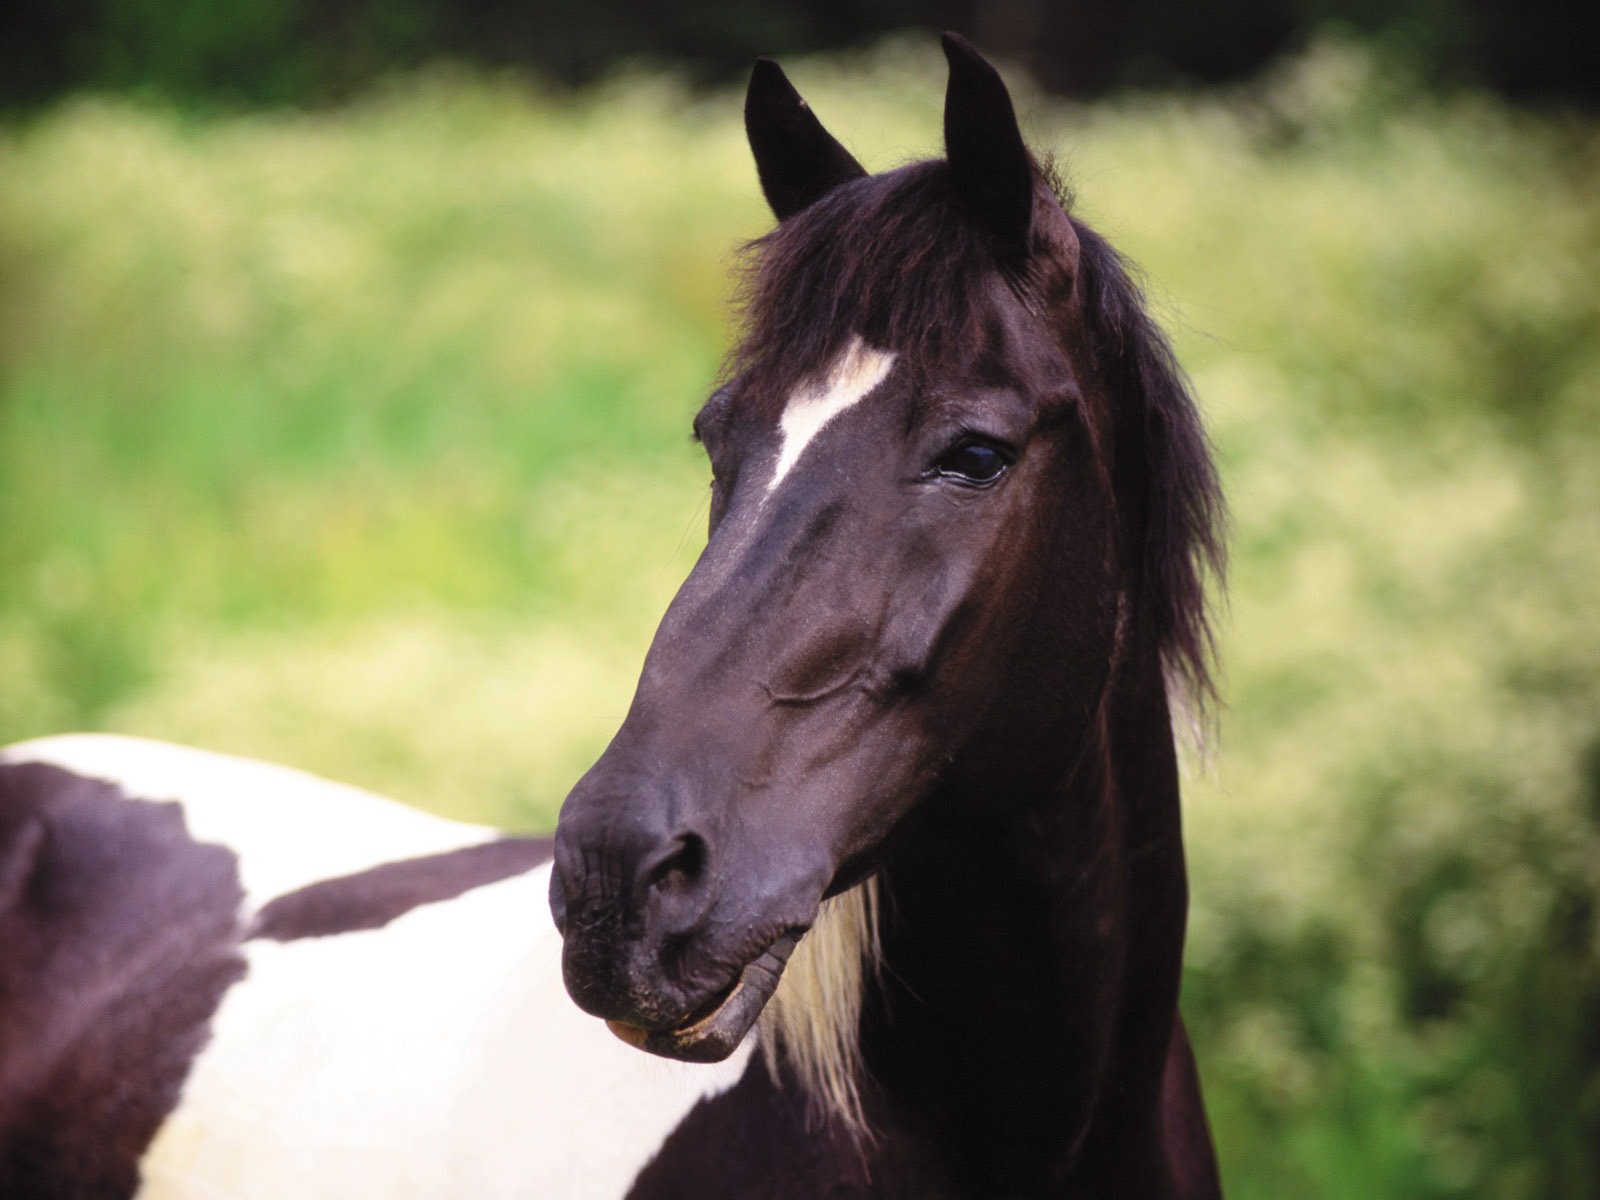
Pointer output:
288, 828
399, 1028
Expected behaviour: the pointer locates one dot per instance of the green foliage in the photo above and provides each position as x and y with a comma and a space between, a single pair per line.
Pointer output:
360, 441
281, 376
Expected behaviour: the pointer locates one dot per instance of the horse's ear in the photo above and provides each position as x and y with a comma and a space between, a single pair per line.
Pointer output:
991, 170
799, 161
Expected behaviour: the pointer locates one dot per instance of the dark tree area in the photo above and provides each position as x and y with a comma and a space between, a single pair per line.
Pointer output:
306, 51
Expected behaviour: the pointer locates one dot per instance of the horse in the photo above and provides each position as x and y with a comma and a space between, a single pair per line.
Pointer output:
878, 890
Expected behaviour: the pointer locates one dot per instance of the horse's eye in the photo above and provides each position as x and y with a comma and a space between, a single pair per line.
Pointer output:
972, 461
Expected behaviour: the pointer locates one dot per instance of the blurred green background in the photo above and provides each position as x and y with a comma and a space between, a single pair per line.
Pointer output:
355, 435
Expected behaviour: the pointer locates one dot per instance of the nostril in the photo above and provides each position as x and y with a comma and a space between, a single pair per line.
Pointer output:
680, 868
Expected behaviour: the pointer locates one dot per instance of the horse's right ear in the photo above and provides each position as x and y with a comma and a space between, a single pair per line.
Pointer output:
799, 161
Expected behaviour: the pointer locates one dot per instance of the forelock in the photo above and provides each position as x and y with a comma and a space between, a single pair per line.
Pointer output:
889, 258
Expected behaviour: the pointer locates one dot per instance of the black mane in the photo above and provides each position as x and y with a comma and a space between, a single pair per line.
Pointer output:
893, 258
1185, 515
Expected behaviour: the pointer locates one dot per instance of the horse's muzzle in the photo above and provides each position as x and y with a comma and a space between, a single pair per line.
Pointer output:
713, 1033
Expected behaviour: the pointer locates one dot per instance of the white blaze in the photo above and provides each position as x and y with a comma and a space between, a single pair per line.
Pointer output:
856, 371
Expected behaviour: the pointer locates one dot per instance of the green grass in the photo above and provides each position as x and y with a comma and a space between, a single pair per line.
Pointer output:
360, 441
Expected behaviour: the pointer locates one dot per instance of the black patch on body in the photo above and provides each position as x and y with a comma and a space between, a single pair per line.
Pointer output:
118, 937
371, 899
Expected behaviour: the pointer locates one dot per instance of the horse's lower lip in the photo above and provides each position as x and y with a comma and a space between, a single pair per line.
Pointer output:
712, 1036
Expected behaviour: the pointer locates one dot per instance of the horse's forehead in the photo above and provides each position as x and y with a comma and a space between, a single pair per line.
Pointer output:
857, 371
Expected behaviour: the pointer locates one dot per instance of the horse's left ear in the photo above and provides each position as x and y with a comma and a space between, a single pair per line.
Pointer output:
799, 161
991, 170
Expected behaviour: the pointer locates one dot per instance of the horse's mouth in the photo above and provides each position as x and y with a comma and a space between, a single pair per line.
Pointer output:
715, 1029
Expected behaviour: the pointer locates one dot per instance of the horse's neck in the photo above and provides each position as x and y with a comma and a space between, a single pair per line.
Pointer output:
1029, 992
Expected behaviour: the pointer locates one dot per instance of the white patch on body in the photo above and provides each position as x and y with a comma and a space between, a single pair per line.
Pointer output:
856, 371
438, 1057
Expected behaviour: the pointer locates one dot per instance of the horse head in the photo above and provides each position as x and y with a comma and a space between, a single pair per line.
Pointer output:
915, 584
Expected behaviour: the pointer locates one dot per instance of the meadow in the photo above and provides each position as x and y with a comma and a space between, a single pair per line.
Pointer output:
358, 440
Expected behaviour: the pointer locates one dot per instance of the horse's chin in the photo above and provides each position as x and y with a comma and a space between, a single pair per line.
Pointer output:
715, 1031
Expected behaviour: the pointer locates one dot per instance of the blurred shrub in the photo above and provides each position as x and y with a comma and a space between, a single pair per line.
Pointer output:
361, 441
277, 376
